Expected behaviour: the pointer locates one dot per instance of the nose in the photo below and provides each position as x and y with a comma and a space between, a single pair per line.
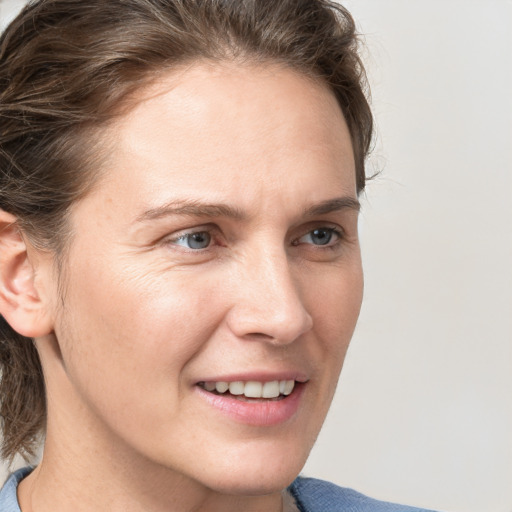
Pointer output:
267, 303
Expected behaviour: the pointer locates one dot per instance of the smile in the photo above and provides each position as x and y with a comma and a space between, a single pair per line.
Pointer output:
252, 402
276, 389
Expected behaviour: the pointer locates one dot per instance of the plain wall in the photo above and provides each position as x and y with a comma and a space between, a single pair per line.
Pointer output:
423, 413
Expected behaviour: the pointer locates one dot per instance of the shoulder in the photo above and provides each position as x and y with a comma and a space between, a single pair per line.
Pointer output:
8, 493
312, 495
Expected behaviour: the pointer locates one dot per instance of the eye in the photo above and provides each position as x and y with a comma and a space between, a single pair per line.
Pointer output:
197, 240
319, 236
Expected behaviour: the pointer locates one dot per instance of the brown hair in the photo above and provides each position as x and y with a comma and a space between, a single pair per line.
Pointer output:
67, 65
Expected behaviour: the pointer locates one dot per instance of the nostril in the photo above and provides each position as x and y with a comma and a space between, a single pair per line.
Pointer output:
258, 336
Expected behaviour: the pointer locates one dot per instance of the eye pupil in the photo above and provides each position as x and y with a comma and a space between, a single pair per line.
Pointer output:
321, 236
199, 240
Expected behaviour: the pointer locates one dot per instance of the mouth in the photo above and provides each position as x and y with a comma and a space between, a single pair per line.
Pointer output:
255, 401
250, 391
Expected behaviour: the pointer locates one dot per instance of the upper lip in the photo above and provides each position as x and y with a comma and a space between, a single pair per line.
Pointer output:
257, 376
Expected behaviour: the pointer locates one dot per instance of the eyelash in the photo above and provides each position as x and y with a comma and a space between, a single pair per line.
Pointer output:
210, 231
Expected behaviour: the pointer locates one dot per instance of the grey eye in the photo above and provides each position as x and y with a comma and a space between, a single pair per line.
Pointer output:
199, 240
320, 236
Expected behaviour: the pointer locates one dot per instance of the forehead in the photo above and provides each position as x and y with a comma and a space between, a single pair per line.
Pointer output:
208, 128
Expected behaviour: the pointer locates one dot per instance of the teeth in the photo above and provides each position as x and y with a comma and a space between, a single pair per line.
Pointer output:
270, 389
236, 388
253, 389
221, 387
288, 387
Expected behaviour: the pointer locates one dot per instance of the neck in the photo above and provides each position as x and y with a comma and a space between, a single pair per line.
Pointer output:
63, 487
84, 471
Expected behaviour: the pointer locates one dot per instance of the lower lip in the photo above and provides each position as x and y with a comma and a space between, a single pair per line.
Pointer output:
258, 413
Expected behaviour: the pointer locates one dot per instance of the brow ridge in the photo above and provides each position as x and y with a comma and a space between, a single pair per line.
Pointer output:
333, 205
195, 208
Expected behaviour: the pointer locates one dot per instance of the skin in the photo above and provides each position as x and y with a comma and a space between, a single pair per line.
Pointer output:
139, 318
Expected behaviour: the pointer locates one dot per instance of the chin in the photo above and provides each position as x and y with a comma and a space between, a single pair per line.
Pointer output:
254, 484
258, 474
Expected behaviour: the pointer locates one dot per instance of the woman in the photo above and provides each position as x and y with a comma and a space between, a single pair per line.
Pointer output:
180, 268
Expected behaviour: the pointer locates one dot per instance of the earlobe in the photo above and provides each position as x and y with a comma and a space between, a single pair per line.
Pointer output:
20, 301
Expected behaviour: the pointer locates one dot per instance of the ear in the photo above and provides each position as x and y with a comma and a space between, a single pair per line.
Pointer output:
20, 301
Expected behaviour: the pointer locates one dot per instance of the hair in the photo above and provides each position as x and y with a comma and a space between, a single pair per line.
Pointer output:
66, 68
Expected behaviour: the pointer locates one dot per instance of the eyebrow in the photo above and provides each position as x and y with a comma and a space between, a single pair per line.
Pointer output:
333, 205
198, 209
192, 209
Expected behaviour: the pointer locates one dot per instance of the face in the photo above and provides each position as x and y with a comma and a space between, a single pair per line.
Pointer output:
218, 250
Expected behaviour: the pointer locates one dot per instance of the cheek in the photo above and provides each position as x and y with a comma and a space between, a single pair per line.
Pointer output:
337, 310
335, 301
121, 335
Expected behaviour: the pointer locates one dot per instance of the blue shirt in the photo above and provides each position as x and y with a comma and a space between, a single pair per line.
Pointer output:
311, 495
